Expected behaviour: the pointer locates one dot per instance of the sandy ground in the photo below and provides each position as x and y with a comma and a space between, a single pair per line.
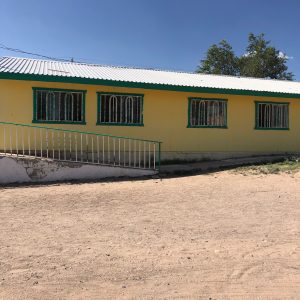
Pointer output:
216, 236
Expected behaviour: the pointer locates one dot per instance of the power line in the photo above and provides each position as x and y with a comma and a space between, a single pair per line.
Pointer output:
2, 46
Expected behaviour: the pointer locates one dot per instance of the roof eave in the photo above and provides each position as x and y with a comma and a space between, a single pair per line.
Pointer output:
142, 85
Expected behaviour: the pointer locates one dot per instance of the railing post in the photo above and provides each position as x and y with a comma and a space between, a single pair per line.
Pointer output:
58, 141
119, 152
29, 133
92, 149
103, 148
149, 146
154, 156
87, 148
17, 147
10, 142
134, 164
35, 142
81, 154
41, 137
70, 137
4, 140
114, 151
76, 147
144, 146
53, 147
159, 153
65, 153
47, 145
23, 147
98, 160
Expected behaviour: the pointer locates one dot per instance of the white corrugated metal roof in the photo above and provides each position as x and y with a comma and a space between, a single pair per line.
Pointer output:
13, 65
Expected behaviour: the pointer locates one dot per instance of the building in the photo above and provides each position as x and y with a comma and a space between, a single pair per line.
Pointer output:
195, 116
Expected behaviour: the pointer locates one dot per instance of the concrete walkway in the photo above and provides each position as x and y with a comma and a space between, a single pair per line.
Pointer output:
209, 166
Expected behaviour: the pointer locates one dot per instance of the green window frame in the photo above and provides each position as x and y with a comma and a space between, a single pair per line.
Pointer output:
271, 115
58, 106
207, 113
120, 109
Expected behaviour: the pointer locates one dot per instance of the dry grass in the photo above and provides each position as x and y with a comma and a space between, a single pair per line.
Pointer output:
290, 165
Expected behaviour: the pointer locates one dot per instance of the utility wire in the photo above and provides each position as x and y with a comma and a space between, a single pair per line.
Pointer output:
2, 46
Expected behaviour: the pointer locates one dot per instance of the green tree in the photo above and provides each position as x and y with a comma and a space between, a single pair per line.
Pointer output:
220, 59
263, 61
260, 60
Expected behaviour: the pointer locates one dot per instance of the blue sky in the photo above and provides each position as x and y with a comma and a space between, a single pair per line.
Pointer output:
164, 34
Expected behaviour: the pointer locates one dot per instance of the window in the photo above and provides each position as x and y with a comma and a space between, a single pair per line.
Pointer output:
120, 109
272, 115
59, 106
207, 113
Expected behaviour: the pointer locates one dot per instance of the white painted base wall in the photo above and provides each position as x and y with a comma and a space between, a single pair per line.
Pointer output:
199, 156
20, 170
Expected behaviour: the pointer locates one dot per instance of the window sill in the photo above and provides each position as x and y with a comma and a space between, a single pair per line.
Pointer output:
119, 124
58, 122
218, 127
259, 128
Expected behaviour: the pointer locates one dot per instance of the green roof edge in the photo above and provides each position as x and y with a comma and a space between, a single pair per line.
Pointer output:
141, 85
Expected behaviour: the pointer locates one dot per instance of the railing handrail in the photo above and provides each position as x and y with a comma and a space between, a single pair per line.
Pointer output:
80, 132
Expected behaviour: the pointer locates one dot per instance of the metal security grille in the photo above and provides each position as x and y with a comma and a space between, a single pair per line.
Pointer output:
272, 115
120, 109
59, 106
208, 113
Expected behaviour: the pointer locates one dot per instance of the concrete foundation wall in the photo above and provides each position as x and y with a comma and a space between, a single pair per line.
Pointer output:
19, 170
205, 156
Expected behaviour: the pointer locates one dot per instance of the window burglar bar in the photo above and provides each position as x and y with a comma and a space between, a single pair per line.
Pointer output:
59, 106
120, 109
84, 147
272, 115
208, 113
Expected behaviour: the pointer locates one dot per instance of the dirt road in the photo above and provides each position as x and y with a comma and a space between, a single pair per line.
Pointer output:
217, 236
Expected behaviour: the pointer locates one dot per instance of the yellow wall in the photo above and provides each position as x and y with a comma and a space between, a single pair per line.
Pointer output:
166, 118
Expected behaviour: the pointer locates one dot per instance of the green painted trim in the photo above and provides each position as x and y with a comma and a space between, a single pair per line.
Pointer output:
58, 90
205, 98
206, 126
120, 94
83, 108
259, 128
141, 85
77, 131
58, 122
270, 102
99, 94
119, 124
34, 107
35, 89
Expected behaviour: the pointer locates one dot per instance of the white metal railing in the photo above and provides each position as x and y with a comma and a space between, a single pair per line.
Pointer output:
77, 146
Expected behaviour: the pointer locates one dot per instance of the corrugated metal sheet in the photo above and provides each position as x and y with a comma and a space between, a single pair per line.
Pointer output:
134, 75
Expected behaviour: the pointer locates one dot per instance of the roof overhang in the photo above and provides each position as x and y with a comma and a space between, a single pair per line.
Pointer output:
141, 85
